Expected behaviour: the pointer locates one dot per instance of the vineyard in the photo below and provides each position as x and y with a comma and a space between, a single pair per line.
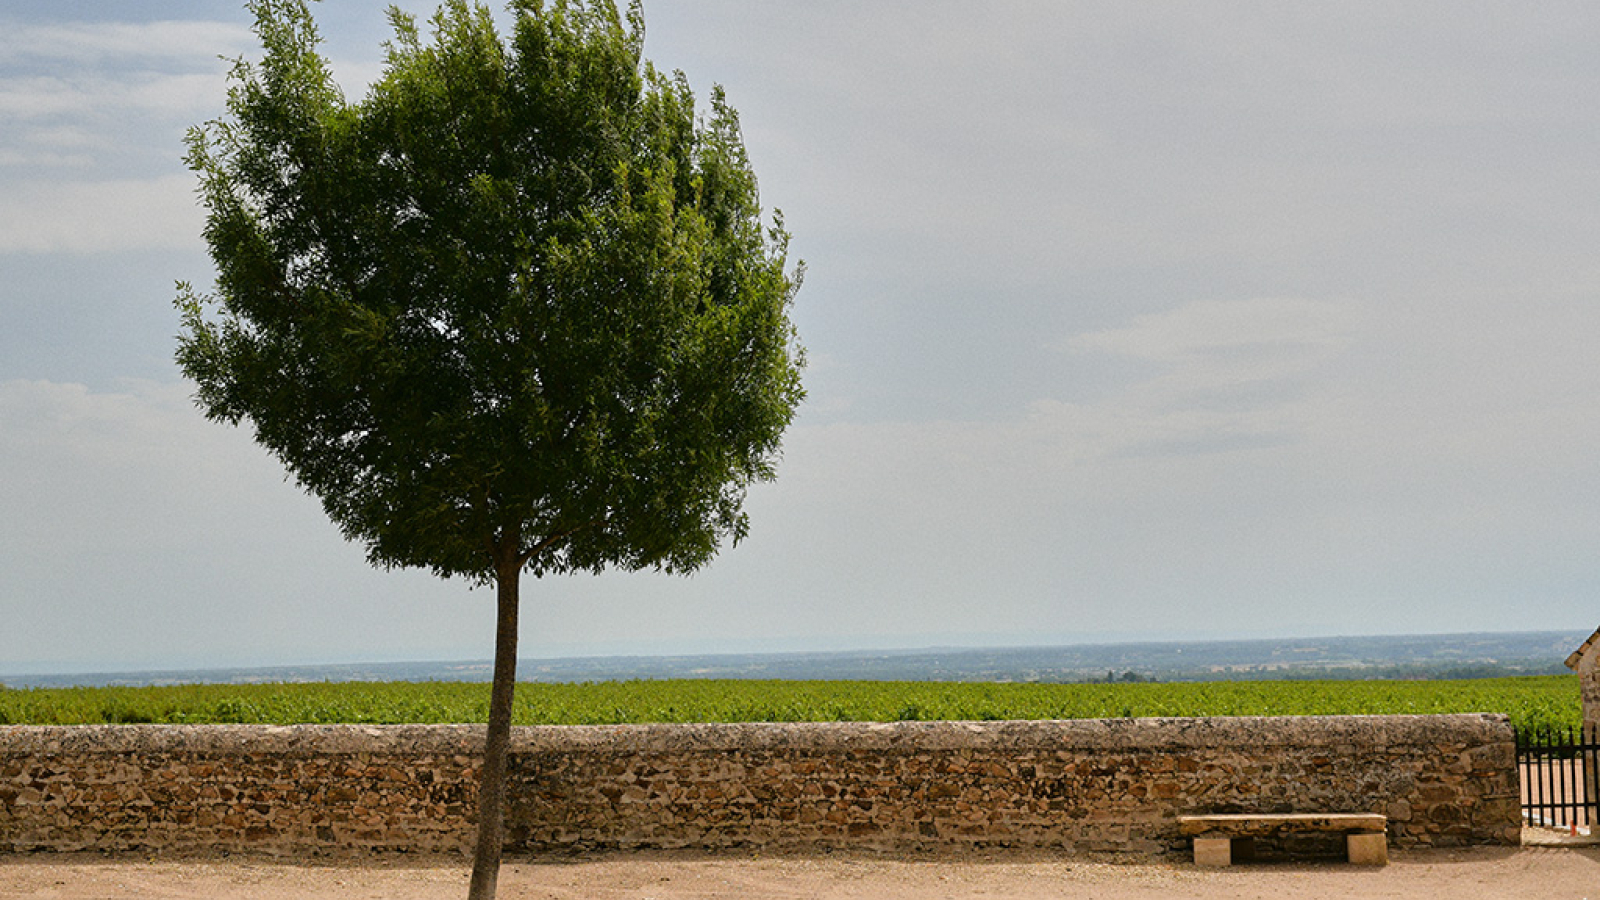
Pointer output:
1531, 702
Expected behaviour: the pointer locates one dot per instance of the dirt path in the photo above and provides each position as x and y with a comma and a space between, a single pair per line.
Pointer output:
1546, 873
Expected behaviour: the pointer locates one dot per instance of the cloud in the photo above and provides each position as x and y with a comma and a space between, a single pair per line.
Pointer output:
94, 468
94, 43
153, 534
53, 97
1208, 376
1210, 392
115, 68
106, 95
1228, 341
101, 216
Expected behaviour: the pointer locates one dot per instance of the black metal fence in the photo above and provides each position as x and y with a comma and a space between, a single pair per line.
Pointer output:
1560, 774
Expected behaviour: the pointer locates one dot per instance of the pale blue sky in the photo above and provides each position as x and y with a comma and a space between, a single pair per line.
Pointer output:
1125, 321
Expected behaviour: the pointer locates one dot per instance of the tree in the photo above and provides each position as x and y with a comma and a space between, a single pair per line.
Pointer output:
514, 312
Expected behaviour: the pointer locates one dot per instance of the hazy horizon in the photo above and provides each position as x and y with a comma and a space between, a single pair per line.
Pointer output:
908, 645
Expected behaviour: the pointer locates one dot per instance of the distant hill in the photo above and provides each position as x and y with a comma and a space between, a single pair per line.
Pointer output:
1408, 656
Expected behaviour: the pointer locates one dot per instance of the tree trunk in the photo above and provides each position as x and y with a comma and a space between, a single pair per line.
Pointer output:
492, 786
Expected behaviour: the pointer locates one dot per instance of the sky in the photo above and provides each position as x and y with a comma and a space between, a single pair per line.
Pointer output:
1125, 321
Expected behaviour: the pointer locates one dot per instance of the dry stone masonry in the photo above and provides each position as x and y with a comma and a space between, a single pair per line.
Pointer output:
1100, 786
1586, 662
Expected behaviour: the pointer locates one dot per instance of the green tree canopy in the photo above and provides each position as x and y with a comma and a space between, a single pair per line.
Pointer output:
518, 293
515, 311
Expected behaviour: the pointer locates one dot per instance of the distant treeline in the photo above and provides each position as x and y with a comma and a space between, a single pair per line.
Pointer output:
1435, 672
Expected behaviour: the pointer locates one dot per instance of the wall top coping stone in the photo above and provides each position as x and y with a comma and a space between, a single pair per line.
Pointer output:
449, 740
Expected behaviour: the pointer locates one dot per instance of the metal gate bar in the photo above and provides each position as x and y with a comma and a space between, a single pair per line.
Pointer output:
1560, 774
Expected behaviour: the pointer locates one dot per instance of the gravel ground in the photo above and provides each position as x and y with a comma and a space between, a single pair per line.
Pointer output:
1543, 872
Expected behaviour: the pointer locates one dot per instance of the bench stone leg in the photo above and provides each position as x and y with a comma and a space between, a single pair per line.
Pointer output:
1366, 849
1213, 851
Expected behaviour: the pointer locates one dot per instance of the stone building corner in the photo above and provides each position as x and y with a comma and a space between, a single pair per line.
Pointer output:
1586, 662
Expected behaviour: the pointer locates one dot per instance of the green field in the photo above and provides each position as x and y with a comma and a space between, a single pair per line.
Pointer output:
1545, 701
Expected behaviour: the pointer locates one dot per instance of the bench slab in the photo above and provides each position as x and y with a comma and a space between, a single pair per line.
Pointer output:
1263, 824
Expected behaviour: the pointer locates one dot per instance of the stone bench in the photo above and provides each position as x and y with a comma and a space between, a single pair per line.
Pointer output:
1365, 838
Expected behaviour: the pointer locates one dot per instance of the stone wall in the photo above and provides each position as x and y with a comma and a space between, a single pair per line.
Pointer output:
1588, 669
1586, 662
1083, 786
